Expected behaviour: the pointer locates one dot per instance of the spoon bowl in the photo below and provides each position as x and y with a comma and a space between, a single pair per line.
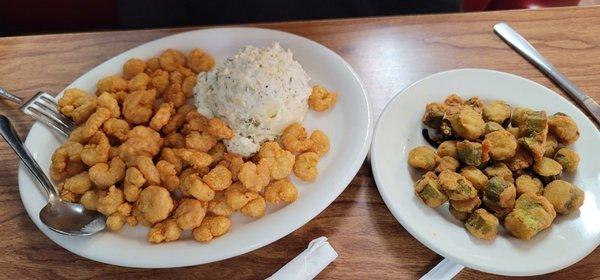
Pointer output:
60, 216
72, 218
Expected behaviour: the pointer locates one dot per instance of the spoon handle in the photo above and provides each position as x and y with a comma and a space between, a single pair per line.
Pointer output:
10, 135
522, 46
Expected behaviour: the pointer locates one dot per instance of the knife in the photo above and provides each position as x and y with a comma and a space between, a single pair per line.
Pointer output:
523, 47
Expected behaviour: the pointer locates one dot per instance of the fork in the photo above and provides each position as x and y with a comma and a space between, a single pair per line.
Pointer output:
44, 108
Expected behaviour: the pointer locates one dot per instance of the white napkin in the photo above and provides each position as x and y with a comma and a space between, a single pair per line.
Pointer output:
309, 263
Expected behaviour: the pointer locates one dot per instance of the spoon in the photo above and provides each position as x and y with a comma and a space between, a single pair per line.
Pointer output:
60, 216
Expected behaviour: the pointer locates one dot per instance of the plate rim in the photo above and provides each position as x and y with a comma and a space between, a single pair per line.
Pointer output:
415, 233
354, 167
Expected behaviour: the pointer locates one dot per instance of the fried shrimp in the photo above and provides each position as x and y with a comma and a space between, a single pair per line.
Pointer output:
321, 99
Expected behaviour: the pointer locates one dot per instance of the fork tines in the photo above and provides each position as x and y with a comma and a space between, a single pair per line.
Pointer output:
43, 107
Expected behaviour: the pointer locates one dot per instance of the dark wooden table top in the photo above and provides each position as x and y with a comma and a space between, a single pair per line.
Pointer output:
388, 53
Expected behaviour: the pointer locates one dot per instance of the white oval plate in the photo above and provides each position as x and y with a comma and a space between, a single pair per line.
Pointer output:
398, 130
348, 125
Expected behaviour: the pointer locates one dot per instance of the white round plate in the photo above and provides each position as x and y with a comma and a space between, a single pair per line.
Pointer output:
398, 130
348, 125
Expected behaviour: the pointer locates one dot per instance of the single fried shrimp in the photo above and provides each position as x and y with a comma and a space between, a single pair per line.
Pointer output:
219, 207
178, 119
218, 179
305, 166
77, 105
78, 184
192, 185
134, 180
162, 116
321, 99
109, 201
217, 153
280, 161
233, 162
139, 82
165, 231
171, 59
281, 191
202, 142
132, 67
194, 158
108, 101
294, 139
104, 175
319, 142
237, 196
89, 200
146, 166
219, 129
211, 227
137, 106
168, 175
175, 95
254, 177
187, 86
96, 150
255, 208
189, 214
111, 84
159, 81
199, 61
117, 128
94, 122
169, 155
141, 141
154, 203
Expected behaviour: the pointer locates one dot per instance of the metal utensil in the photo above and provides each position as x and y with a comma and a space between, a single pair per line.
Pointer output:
60, 216
42, 107
523, 47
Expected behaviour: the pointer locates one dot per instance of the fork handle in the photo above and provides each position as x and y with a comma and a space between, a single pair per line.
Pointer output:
12, 138
7, 95
523, 47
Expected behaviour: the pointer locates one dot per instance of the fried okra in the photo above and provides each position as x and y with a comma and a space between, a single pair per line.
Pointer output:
548, 170
482, 225
499, 170
499, 193
466, 205
533, 132
447, 148
564, 128
550, 146
518, 116
568, 158
501, 144
428, 189
528, 184
456, 186
423, 157
496, 111
447, 163
470, 153
434, 114
532, 214
564, 196
491, 127
467, 123
461, 216
520, 161
475, 176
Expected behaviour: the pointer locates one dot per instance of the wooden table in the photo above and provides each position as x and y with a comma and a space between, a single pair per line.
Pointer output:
389, 53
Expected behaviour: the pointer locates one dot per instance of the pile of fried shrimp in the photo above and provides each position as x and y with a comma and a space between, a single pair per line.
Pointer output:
496, 164
141, 154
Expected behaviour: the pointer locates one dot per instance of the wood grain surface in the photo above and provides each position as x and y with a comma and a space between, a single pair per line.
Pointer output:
389, 53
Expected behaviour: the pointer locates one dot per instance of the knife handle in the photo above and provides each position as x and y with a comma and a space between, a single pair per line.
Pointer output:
523, 47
